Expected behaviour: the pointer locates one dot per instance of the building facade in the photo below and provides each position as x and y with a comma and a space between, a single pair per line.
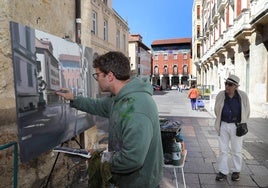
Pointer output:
140, 57
108, 30
233, 40
196, 39
171, 62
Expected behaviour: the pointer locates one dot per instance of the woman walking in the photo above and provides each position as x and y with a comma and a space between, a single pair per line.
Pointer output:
193, 94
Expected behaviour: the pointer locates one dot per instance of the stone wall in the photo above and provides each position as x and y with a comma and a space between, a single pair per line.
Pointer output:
55, 17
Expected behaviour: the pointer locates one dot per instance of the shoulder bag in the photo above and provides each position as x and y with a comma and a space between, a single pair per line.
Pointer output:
241, 129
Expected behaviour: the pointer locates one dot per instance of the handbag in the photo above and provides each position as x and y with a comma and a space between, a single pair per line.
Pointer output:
241, 129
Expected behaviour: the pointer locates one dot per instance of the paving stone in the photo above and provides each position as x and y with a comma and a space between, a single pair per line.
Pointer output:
209, 179
245, 180
258, 170
198, 165
261, 180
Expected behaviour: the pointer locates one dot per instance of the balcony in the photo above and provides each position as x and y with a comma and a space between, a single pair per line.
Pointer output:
213, 49
228, 37
242, 23
258, 7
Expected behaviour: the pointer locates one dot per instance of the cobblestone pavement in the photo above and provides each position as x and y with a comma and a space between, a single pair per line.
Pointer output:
202, 145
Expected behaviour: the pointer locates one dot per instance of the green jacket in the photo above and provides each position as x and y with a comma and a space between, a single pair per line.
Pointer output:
134, 133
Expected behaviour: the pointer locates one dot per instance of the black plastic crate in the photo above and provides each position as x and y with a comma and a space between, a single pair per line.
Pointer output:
169, 130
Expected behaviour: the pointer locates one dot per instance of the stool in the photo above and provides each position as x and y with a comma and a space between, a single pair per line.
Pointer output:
182, 161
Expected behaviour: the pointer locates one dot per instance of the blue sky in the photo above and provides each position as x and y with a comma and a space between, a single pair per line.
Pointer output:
156, 19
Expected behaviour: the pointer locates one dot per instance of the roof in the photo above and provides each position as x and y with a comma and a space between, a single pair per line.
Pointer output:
172, 41
43, 44
68, 57
137, 38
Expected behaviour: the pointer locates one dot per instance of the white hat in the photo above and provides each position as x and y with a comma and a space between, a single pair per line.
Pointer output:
233, 79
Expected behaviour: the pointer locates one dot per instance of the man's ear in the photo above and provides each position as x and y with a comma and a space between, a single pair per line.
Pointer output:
110, 76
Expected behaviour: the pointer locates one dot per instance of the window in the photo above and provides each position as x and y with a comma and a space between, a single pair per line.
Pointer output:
175, 56
198, 12
156, 70
165, 57
156, 57
175, 69
104, 1
139, 66
94, 23
124, 42
198, 50
165, 69
198, 31
184, 56
30, 75
227, 13
138, 49
185, 70
28, 38
117, 39
18, 70
105, 30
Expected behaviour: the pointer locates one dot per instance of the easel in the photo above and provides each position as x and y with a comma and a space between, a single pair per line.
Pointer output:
54, 164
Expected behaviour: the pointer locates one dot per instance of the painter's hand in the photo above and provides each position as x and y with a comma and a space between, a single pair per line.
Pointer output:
65, 93
107, 157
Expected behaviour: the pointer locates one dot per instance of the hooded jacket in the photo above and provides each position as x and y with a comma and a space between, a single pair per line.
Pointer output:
219, 103
134, 133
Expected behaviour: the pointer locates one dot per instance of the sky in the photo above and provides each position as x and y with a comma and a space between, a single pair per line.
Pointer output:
156, 19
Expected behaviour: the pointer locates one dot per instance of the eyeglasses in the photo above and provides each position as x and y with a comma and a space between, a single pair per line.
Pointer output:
96, 75
229, 84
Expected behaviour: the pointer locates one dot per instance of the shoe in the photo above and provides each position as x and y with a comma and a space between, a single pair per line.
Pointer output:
235, 176
220, 177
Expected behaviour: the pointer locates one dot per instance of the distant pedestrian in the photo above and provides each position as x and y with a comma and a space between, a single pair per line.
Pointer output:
179, 88
231, 107
193, 94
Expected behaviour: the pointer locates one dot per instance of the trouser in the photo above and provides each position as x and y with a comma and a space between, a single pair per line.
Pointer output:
193, 103
228, 135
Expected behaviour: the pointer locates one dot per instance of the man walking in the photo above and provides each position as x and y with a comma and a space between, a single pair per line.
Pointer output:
231, 107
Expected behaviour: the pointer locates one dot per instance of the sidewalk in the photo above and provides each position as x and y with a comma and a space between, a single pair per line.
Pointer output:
201, 142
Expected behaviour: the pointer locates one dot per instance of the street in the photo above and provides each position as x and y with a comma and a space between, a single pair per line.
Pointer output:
201, 142
59, 121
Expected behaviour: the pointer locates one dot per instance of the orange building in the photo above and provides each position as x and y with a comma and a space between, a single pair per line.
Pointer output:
171, 62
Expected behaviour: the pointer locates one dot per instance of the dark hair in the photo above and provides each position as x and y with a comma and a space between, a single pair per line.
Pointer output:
115, 62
